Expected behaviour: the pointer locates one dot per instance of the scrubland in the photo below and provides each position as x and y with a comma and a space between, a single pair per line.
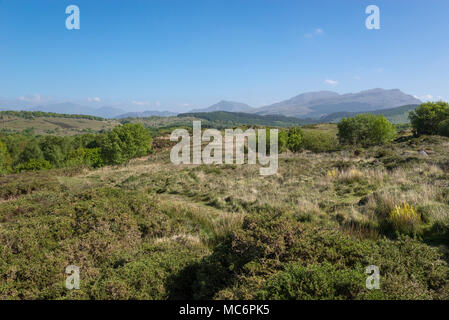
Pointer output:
154, 230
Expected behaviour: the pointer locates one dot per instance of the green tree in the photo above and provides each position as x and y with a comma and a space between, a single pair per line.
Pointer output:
125, 142
427, 117
33, 165
295, 139
31, 151
282, 140
365, 130
85, 157
443, 128
55, 149
3, 157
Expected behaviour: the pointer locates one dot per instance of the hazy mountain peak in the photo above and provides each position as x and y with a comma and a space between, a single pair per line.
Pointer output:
226, 105
319, 103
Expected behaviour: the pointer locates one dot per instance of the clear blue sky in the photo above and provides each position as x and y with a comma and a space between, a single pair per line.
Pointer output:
180, 54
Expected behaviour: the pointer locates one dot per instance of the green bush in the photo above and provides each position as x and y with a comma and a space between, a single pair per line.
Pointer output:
320, 264
325, 281
85, 157
3, 156
295, 139
427, 117
55, 149
125, 142
34, 164
282, 140
365, 130
319, 141
443, 128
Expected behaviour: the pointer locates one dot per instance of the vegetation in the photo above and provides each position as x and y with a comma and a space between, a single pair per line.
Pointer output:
398, 115
46, 123
365, 130
429, 118
224, 119
153, 230
295, 139
21, 152
40, 114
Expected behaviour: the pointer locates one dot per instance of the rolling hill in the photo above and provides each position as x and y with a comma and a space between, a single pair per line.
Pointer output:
52, 123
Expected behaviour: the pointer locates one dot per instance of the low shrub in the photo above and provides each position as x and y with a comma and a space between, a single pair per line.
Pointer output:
319, 141
405, 219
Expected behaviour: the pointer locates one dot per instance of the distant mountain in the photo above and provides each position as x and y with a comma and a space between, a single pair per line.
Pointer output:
145, 114
318, 104
224, 119
229, 106
394, 115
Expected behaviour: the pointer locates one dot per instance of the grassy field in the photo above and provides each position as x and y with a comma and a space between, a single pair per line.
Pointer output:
54, 125
153, 230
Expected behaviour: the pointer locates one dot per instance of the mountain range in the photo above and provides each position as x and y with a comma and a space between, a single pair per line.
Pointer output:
321, 103
318, 104
229, 106
306, 105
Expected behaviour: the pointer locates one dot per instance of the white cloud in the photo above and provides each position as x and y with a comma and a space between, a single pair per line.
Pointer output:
94, 99
316, 32
356, 77
429, 97
140, 103
331, 82
34, 98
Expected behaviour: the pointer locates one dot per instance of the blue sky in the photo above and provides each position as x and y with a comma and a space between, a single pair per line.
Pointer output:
182, 54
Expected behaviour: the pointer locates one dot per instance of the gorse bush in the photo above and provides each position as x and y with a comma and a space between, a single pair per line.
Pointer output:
316, 281
275, 256
426, 119
365, 130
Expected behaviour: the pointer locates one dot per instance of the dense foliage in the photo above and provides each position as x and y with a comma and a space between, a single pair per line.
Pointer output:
19, 152
365, 130
428, 118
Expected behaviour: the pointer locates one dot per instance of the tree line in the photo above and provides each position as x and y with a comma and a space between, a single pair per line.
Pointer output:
19, 152
39, 114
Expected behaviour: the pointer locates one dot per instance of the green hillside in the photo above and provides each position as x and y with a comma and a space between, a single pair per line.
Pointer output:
45, 123
224, 119
394, 115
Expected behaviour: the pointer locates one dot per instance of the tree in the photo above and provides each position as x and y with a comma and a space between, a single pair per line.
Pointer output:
365, 130
85, 157
31, 151
443, 128
55, 149
3, 157
125, 142
282, 140
295, 139
427, 117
